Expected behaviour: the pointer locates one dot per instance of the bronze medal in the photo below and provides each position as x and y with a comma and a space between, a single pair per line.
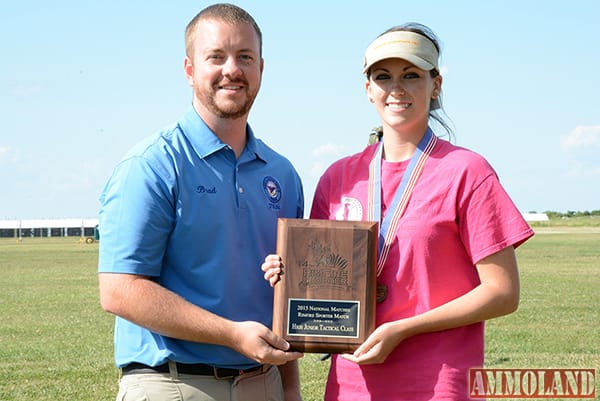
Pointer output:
381, 293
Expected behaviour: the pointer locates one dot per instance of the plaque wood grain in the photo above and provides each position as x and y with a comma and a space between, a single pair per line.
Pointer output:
325, 300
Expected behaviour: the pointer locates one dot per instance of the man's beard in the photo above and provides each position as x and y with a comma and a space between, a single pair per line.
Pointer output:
231, 111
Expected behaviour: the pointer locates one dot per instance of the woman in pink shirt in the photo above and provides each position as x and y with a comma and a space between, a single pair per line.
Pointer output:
448, 233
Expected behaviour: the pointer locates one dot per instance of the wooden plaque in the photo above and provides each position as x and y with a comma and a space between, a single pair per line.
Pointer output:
325, 300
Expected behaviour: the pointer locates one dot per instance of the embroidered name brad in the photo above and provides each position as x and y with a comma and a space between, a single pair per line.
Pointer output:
201, 189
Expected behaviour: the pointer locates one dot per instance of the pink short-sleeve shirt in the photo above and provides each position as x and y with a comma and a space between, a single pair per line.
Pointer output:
457, 215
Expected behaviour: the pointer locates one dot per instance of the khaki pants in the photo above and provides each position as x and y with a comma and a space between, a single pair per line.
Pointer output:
262, 385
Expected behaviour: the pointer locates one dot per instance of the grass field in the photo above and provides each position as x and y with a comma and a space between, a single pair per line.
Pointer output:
56, 342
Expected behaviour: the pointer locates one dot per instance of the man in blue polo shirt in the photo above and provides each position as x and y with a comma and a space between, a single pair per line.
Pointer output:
186, 219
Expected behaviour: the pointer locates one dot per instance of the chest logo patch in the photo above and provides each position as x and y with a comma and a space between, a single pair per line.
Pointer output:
350, 209
272, 189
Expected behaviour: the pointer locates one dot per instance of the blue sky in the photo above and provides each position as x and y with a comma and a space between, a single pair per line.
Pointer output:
82, 81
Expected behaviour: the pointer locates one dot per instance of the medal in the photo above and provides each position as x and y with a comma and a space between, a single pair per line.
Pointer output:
381, 293
389, 224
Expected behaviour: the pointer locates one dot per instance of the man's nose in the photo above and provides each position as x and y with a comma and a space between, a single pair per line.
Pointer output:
231, 67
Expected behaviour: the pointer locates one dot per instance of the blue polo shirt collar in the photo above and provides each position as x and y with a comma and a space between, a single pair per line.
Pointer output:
205, 142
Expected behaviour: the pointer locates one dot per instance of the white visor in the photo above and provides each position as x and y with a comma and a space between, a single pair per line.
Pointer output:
410, 46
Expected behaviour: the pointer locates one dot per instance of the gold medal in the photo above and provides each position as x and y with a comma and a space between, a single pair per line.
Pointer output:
381, 293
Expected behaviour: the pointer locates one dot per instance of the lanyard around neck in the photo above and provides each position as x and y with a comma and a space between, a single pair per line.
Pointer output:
389, 225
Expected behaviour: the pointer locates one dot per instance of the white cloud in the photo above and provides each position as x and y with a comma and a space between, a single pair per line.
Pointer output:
327, 150
323, 156
582, 137
582, 148
27, 90
5, 153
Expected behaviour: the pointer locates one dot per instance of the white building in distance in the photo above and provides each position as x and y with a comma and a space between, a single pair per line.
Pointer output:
535, 216
49, 228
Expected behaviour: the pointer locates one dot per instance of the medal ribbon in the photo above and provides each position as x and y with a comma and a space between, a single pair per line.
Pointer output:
389, 225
